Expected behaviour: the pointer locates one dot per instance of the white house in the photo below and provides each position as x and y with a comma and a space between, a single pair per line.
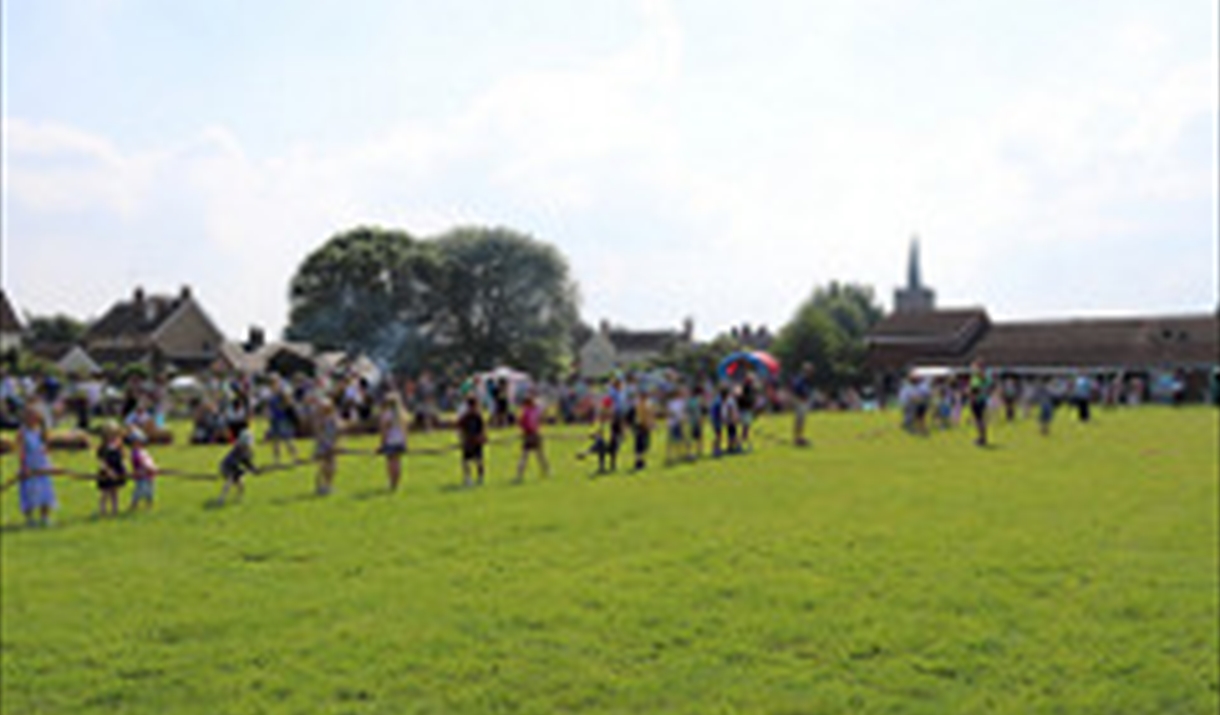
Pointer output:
613, 349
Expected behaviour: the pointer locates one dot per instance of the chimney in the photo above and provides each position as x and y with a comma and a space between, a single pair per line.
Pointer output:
186, 292
688, 328
139, 294
256, 340
604, 327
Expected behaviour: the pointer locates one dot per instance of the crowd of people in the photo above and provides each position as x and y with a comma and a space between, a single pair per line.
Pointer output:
622, 414
700, 417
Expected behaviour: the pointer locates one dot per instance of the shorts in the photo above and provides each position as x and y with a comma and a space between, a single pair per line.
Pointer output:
979, 409
675, 433
642, 438
472, 452
696, 431
107, 483
143, 490
392, 449
531, 441
282, 429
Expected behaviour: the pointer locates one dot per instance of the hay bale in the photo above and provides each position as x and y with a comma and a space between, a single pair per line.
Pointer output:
159, 436
7, 446
360, 427
70, 441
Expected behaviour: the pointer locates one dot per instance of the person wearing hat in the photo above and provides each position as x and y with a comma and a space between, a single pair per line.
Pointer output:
143, 469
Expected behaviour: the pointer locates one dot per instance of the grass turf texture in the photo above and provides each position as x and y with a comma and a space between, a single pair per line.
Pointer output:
875, 573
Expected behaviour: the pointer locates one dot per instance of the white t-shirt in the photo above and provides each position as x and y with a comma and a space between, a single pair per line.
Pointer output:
676, 411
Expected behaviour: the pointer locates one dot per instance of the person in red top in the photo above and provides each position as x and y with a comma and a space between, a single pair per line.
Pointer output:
531, 435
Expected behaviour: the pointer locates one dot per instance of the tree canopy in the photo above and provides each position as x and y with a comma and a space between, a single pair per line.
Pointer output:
57, 329
828, 331
468, 299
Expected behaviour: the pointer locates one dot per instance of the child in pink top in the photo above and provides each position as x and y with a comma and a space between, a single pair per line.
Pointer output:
531, 435
143, 469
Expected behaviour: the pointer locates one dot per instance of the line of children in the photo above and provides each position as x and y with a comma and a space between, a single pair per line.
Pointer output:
684, 412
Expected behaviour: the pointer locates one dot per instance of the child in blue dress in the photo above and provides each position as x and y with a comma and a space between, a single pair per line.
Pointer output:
34, 470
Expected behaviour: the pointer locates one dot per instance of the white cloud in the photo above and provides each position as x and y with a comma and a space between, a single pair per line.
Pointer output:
756, 223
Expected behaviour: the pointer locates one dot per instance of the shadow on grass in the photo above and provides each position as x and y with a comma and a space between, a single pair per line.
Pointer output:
457, 488
16, 527
295, 499
366, 494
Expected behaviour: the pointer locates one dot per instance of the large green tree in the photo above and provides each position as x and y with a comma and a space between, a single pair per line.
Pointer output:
504, 297
828, 331
469, 299
366, 290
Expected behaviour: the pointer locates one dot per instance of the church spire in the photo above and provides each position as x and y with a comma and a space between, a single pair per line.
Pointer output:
914, 279
914, 298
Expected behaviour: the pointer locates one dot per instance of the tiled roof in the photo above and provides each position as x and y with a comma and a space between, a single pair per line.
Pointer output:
643, 340
53, 351
1123, 342
9, 322
1141, 342
928, 325
134, 317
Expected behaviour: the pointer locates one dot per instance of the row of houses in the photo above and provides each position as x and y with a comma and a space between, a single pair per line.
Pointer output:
174, 332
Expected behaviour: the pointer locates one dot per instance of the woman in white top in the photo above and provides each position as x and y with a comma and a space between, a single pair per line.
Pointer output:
393, 425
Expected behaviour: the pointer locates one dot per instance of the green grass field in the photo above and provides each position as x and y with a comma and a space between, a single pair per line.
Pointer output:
874, 573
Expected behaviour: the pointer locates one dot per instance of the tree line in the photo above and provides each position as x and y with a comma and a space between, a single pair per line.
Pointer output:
476, 297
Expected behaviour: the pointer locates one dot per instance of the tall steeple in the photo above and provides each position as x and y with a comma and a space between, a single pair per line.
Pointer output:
914, 298
914, 281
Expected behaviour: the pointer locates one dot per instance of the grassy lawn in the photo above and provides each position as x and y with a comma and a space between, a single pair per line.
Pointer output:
874, 573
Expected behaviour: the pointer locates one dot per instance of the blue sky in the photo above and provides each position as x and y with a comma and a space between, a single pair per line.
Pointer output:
711, 159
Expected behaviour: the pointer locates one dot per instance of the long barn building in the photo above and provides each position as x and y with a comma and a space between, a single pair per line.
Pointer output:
918, 335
